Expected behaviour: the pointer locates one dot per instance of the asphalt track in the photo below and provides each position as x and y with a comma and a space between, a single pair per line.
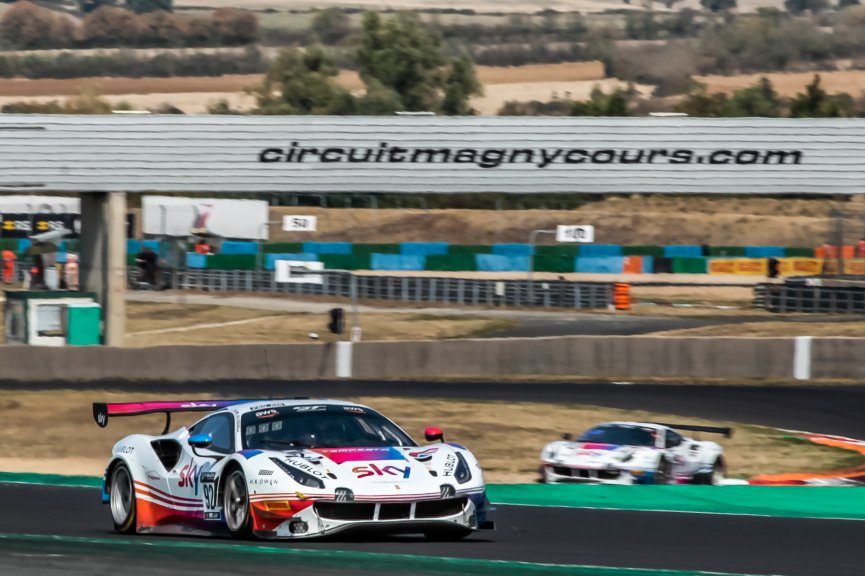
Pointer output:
734, 544
820, 409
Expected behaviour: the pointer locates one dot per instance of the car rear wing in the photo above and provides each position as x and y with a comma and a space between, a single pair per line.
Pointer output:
103, 411
726, 432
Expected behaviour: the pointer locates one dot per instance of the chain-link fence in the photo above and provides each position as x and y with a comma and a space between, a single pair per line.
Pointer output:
460, 291
810, 297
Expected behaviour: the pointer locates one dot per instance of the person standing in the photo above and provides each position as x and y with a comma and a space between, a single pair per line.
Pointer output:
147, 264
70, 272
8, 266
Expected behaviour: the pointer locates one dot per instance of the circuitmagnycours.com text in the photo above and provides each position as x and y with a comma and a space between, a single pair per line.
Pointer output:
386, 153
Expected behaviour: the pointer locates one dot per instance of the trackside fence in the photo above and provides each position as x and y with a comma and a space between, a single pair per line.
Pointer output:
804, 298
460, 291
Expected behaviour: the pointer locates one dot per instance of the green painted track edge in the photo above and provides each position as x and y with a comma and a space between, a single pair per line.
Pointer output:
822, 503
371, 561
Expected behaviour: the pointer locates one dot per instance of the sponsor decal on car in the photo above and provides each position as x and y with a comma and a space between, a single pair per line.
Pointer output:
423, 455
340, 455
306, 467
354, 409
449, 465
153, 476
314, 408
373, 470
267, 414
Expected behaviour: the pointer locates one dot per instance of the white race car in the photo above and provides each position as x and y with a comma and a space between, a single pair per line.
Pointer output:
289, 469
635, 453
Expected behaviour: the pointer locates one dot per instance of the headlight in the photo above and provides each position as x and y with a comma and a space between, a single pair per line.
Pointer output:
625, 456
299, 476
462, 474
549, 453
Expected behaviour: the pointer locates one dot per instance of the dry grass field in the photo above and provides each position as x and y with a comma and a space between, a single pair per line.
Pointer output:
619, 220
480, 6
506, 437
150, 324
854, 328
193, 95
790, 83
121, 86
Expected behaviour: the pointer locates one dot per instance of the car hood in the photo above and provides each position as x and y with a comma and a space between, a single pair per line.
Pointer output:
594, 455
418, 471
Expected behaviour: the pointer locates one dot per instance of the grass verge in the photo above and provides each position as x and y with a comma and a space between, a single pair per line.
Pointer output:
507, 437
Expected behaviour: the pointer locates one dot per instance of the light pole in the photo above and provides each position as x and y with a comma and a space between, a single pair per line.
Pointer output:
533, 238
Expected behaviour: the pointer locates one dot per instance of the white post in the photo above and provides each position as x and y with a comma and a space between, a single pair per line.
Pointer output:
343, 359
802, 358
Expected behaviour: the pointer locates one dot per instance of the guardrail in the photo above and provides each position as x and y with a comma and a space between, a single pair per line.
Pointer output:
804, 298
461, 291
614, 357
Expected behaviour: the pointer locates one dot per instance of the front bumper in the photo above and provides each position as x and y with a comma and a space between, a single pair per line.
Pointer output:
327, 517
561, 474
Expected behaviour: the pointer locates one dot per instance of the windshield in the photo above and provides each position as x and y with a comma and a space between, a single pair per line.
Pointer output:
319, 427
625, 435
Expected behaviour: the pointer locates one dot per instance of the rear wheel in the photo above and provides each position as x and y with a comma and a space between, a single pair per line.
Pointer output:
447, 534
664, 472
235, 504
121, 499
713, 477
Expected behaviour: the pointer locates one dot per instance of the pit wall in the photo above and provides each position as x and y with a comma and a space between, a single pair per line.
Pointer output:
801, 358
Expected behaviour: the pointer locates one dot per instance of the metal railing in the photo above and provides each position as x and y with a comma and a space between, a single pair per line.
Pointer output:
460, 291
804, 298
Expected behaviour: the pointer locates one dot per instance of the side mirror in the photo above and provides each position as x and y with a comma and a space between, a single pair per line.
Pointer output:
433, 434
567, 437
200, 440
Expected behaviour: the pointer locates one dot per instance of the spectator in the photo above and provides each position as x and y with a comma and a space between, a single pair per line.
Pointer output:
147, 265
203, 247
8, 266
70, 272
37, 273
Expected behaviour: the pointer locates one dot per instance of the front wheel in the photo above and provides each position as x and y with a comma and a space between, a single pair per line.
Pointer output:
122, 500
235, 504
664, 472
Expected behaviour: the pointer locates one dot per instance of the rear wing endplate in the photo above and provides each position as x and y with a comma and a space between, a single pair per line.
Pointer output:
103, 411
726, 432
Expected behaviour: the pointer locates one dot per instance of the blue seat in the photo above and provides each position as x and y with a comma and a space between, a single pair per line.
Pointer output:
683, 251
397, 262
523, 250
600, 250
423, 248
327, 247
604, 265
499, 263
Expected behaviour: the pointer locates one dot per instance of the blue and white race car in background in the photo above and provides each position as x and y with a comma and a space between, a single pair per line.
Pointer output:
635, 453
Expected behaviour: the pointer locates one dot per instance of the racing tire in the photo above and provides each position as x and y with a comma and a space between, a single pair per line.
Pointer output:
235, 504
447, 534
664, 472
715, 476
121, 500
